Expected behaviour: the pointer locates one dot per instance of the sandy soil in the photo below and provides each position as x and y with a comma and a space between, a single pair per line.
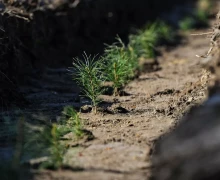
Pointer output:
126, 131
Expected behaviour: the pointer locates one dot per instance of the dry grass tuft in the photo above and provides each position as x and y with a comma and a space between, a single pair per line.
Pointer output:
211, 60
214, 39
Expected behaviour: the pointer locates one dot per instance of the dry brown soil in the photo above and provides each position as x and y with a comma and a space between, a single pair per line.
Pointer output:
125, 133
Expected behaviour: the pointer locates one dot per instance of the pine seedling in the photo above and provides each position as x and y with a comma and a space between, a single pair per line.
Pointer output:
133, 61
119, 66
57, 149
165, 32
202, 11
187, 23
145, 41
72, 123
47, 138
89, 75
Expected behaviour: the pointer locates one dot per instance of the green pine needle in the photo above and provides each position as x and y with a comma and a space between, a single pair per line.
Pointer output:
88, 73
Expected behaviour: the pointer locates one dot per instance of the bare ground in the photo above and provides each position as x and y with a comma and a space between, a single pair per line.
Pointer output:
126, 131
